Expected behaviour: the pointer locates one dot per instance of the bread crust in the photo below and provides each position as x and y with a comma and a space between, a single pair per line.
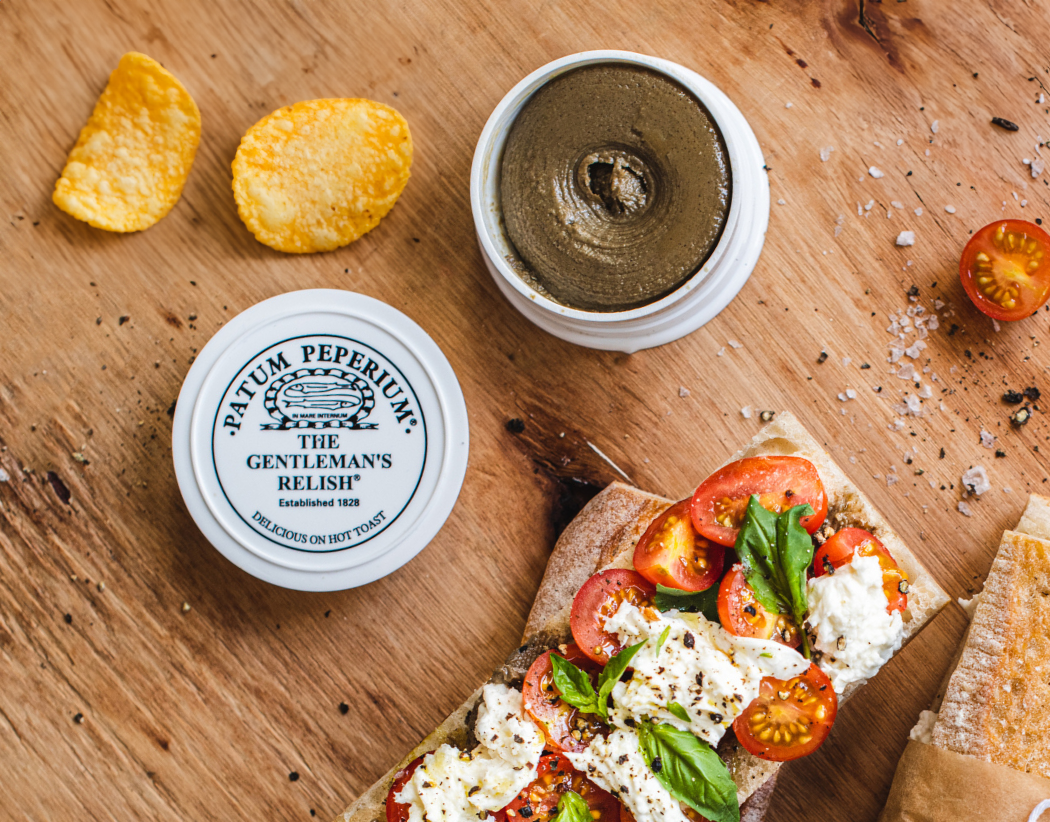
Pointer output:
995, 707
604, 534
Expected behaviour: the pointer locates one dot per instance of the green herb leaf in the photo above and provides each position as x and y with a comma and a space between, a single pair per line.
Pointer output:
677, 710
695, 602
756, 547
690, 770
795, 550
767, 656
611, 674
572, 808
574, 685
663, 638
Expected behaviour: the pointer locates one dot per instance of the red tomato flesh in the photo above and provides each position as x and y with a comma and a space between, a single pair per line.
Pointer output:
565, 728
672, 553
538, 801
743, 615
839, 549
398, 811
789, 718
720, 503
1005, 269
599, 599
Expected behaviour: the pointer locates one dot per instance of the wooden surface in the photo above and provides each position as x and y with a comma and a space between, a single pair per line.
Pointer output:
204, 715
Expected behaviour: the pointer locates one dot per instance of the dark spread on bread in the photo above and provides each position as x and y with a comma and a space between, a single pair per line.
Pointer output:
615, 187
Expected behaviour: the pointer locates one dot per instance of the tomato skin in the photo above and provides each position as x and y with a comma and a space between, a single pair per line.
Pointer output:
838, 550
597, 600
397, 811
672, 553
719, 504
734, 596
810, 702
1005, 269
556, 718
555, 776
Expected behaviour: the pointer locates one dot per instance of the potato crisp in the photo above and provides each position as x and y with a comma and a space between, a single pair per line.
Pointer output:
317, 175
131, 160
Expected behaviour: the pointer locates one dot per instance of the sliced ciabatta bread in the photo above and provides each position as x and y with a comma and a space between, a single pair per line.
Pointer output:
605, 534
996, 704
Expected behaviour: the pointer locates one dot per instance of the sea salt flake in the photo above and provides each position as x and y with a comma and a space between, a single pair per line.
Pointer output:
781, 201
935, 125
735, 344
874, 172
938, 304
926, 392
825, 153
897, 204
987, 439
907, 371
1037, 166
915, 349
964, 509
4, 476
683, 392
846, 361
900, 142
933, 323
914, 405
721, 351
918, 212
975, 480
892, 479
950, 209
745, 412
906, 238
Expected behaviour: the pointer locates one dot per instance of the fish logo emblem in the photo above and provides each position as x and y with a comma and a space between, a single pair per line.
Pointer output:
319, 398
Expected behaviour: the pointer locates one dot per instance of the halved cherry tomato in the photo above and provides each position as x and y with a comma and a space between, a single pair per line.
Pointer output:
743, 615
1005, 269
839, 549
538, 801
599, 599
398, 811
672, 553
719, 504
565, 728
789, 718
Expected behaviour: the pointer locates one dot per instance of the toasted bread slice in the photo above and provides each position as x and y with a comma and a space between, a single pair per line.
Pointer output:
604, 534
995, 706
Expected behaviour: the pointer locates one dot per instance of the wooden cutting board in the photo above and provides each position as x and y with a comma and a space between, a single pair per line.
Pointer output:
260, 703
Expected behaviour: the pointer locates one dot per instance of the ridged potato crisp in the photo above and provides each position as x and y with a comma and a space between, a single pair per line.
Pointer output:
316, 175
133, 156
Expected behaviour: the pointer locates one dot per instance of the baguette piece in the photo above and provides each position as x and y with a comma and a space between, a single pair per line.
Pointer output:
995, 706
604, 534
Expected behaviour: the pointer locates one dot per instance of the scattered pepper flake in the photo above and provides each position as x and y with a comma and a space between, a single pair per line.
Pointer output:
1004, 123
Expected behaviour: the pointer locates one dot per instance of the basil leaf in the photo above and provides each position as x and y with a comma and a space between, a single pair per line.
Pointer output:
663, 638
690, 770
756, 547
695, 602
574, 685
795, 552
572, 808
611, 674
677, 710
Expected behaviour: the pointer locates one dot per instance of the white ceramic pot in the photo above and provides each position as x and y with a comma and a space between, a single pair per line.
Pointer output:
691, 305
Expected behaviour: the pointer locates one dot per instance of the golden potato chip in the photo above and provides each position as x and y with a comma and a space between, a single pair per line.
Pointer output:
133, 156
318, 174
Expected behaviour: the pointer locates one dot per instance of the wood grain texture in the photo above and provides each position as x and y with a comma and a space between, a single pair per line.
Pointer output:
204, 715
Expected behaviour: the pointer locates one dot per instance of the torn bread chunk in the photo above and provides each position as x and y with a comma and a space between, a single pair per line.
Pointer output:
995, 707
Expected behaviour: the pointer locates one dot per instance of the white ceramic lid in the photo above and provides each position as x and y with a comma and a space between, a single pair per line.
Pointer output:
320, 440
